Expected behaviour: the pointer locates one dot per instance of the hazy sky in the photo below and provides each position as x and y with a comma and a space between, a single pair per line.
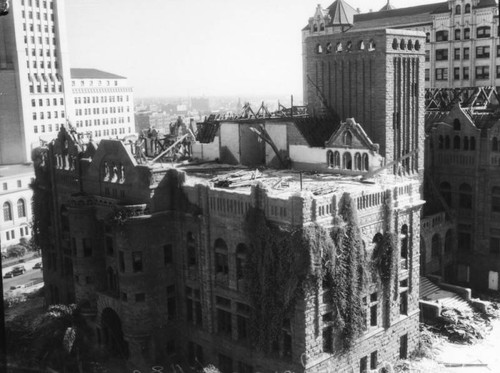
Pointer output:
198, 47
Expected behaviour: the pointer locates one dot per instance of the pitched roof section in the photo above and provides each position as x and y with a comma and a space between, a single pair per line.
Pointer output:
93, 74
316, 131
341, 13
387, 6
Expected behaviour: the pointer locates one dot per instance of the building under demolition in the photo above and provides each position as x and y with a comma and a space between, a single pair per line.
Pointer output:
262, 242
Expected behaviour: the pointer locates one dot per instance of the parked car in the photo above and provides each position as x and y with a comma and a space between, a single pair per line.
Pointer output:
38, 265
16, 287
18, 270
8, 275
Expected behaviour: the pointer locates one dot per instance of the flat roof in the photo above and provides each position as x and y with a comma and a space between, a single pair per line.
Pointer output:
16, 170
93, 74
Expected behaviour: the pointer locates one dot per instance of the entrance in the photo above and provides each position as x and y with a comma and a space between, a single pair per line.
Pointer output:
493, 280
113, 334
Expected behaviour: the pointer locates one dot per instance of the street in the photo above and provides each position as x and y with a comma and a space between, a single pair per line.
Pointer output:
29, 275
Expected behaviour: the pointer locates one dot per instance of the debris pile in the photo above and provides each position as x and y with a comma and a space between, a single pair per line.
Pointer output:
462, 326
237, 179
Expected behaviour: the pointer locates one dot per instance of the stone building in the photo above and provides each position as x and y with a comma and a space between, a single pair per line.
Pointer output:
103, 102
15, 199
296, 248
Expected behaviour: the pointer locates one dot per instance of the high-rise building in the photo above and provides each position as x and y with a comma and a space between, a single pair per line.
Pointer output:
34, 77
103, 102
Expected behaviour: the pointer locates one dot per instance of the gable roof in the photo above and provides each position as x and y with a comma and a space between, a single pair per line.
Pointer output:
93, 74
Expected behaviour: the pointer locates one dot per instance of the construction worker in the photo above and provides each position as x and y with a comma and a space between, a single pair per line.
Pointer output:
139, 149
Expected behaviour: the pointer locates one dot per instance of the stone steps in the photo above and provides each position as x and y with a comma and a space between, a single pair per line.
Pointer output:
433, 293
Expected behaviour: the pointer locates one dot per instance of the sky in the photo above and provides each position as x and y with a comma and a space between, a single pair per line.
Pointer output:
198, 47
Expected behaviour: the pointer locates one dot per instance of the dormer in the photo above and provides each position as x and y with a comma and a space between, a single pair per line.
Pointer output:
319, 21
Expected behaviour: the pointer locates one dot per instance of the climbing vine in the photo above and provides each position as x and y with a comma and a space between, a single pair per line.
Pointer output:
287, 262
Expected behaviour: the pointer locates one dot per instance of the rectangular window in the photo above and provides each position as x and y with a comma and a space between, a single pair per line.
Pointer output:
137, 261
495, 245
442, 74
466, 53
167, 254
456, 54
363, 364
456, 73
442, 35
483, 32
224, 322
373, 315
498, 50
403, 346
87, 247
427, 75
498, 72
328, 339
465, 74
466, 33
441, 54
427, 56
483, 52
4, 186
482, 72
121, 259
373, 360
403, 303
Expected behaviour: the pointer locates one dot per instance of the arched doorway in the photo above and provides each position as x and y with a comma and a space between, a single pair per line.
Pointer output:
112, 333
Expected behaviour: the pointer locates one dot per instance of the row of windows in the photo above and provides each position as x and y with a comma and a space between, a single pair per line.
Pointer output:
40, 40
47, 102
91, 83
47, 128
402, 44
39, 28
40, 52
41, 65
95, 99
467, 143
41, 115
37, 3
98, 122
361, 162
481, 32
464, 195
339, 47
54, 88
11, 235
7, 210
105, 110
19, 184
482, 72
458, 9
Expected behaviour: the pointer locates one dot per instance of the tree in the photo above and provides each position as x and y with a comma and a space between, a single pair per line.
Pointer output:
16, 251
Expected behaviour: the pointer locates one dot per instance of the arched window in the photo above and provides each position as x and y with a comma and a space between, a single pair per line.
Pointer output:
221, 257
448, 241
417, 45
456, 125
472, 143
371, 45
456, 142
458, 9
328, 48
7, 211
329, 158
241, 260
466, 143
467, 8
338, 47
347, 138
361, 45
21, 208
447, 142
191, 249
402, 44
357, 162
322, 27
366, 162
465, 196
336, 160
349, 46
440, 142
394, 43
494, 144
436, 245
319, 49
445, 189
315, 28
347, 161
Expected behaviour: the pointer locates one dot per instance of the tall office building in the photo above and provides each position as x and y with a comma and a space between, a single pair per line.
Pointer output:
34, 70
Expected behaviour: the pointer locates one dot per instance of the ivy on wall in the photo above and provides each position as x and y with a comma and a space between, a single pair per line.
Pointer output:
286, 262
